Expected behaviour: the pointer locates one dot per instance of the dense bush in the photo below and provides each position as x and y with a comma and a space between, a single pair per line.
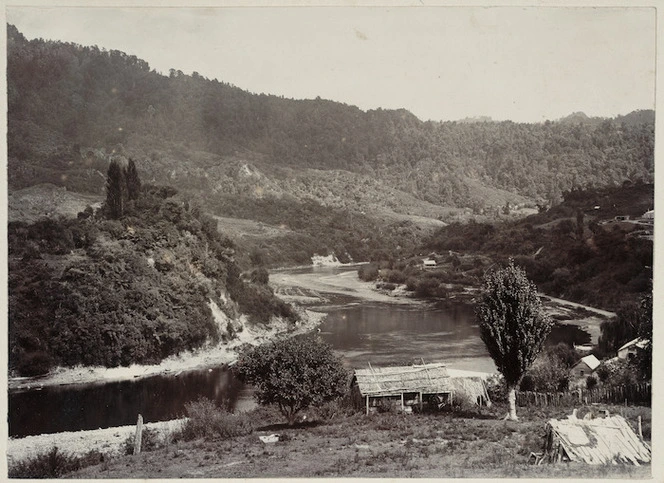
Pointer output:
368, 273
208, 421
605, 270
133, 290
551, 370
293, 374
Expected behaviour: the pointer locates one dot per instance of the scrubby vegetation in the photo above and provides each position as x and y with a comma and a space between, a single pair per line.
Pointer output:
100, 291
54, 464
337, 442
293, 374
583, 261
207, 420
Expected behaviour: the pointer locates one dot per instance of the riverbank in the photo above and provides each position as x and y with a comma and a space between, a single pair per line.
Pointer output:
309, 287
313, 288
107, 441
206, 357
471, 444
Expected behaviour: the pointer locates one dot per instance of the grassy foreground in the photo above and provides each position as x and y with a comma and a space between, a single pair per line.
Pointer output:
337, 443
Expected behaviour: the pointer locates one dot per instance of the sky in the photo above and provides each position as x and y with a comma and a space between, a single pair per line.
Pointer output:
440, 63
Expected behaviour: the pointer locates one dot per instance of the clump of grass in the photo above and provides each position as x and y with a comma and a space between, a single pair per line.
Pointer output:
149, 442
208, 421
53, 464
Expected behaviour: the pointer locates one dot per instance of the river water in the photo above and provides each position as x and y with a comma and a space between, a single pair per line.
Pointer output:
361, 331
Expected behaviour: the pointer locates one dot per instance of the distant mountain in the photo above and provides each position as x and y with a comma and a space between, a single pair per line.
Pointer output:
72, 108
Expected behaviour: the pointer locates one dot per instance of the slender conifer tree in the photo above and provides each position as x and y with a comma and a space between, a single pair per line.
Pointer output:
116, 191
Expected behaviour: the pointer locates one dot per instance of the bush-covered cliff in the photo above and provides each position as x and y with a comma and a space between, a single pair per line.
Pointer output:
158, 280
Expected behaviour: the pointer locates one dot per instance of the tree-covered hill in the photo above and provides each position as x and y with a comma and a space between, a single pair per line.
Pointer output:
576, 250
72, 107
115, 289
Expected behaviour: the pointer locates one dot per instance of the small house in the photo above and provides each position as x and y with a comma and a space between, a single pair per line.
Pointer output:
429, 263
632, 348
585, 367
596, 441
405, 388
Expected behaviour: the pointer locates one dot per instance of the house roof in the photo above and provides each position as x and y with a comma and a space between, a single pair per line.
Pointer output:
600, 441
385, 381
591, 361
638, 342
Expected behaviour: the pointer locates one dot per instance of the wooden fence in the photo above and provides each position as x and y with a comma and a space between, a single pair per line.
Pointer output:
626, 394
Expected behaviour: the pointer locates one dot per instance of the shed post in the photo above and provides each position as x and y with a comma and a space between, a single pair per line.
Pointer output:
367, 396
421, 401
640, 428
402, 406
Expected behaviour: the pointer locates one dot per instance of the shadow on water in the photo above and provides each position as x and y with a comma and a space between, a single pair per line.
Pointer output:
158, 398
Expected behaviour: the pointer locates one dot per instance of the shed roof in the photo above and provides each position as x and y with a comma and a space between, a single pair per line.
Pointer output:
591, 361
385, 381
638, 342
600, 441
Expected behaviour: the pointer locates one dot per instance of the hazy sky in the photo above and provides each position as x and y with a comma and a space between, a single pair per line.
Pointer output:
441, 63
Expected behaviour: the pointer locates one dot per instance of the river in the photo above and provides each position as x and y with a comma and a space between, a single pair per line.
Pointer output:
363, 326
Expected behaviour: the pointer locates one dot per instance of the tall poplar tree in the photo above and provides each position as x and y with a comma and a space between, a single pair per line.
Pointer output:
116, 190
513, 325
133, 181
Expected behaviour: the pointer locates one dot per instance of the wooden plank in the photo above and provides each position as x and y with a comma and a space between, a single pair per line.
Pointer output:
139, 435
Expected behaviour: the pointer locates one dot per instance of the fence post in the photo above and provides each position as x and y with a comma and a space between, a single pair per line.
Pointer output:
139, 435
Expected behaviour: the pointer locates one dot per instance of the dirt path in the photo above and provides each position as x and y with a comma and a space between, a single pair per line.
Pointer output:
605, 313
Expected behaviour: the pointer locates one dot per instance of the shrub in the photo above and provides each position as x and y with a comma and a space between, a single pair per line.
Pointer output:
149, 442
591, 383
209, 421
34, 364
293, 374
53, 464
496, 389
394, 276
368, 273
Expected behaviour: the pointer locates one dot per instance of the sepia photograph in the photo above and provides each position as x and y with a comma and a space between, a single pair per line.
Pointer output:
398, 240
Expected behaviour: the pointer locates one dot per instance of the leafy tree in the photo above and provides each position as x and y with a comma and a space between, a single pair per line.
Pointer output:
632, 320
293, 374
116, 190
551, 370
644, 358
512, 324
133, 181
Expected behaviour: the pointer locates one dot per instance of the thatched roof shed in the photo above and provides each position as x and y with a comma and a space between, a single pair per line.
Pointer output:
595, 441
416, 385
389, 381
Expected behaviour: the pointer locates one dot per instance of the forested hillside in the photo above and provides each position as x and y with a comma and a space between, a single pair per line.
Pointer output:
72, 107
576, 250
130, 286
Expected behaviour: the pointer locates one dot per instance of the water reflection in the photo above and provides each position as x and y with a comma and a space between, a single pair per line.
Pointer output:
361, 332
157, 398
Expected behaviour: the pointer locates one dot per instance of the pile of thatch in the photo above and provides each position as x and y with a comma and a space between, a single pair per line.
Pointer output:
594, 441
